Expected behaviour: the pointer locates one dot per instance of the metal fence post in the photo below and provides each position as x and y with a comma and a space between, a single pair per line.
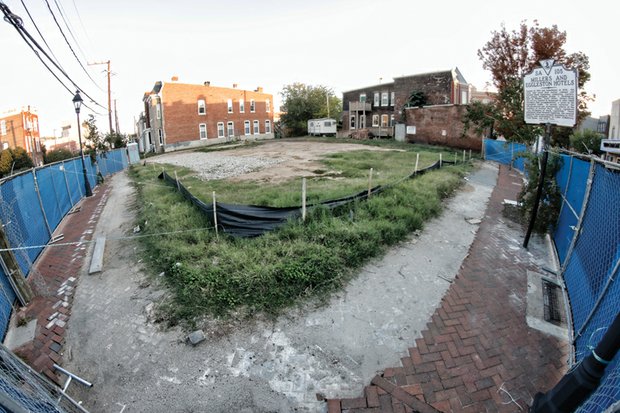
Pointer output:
36, 189
64, 171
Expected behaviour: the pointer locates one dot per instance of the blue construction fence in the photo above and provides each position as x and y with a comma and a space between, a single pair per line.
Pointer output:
587, 242
33, 203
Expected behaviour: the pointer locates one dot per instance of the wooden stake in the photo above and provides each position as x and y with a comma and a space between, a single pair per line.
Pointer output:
440, 160
303, 199
369, 182
463, 155
417, 161
470, 154
217, 234
176, 178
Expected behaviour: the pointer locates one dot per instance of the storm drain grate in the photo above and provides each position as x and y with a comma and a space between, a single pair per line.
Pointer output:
551, 299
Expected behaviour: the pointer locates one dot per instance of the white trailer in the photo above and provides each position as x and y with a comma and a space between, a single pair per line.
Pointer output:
322, 127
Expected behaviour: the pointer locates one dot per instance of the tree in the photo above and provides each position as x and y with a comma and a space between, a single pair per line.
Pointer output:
21, 158
301, 102
587, 141
509, 55
93, 138
57, 155
6, 162
115, 140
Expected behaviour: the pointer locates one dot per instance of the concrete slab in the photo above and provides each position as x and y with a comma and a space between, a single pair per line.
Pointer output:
535, 314
18, 336
96, 262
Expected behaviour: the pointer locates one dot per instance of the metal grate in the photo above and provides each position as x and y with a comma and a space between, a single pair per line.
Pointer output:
551, 300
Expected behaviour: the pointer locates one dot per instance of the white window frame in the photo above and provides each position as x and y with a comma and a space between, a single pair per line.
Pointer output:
256, 127
220, 130
161, 136
230, 105
158, 111
267, 106
230, 127
384, 121
392, 99
352, 122
202, 107
362, 121
246, 127
375, 121
2, 128
252, 106
376, 99
267, 126
392, 123
202, 130
363, 97
384, 99
241, 106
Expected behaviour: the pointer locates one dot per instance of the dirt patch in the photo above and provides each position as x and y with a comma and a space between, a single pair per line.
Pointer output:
273, 161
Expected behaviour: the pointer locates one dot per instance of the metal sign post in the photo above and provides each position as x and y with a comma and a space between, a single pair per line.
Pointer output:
551, 99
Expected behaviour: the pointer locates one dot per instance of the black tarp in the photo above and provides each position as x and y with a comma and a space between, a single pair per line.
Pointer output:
254, 220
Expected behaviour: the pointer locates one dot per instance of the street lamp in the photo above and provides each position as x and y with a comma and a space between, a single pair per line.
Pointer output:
77, 103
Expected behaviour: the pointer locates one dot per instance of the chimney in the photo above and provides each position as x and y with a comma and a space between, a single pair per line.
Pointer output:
175, 78
235, 85
259, 89
207, 83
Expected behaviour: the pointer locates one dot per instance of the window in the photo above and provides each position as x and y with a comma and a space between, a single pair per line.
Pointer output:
267, 126
267, 106
230, 108
148, 135
158, 110
384, 99
161, 136
256, 127
384, 120
202, 107
375, 120
252, 106
202, 128
246, 127
376, 98
391, 120
463, 97
231, 129
363, 97
362, 121
220, 129
2, 128
352, 122
392, 100
242, 106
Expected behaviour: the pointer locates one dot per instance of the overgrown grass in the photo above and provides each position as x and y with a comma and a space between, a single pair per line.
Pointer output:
302, 259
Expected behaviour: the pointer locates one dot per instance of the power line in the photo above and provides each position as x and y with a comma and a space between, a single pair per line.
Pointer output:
18, 24
62, 14
38, 31
69, 44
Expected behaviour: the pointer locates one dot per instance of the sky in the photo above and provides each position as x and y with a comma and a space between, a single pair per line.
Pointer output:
341, 44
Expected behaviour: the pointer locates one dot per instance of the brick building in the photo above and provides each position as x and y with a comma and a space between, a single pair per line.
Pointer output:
178, 115
378, 108
20, 128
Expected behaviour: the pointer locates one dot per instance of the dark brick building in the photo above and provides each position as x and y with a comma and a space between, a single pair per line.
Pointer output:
180, 115
378, 108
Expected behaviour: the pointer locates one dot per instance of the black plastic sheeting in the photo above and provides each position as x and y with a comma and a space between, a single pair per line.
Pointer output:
254, 220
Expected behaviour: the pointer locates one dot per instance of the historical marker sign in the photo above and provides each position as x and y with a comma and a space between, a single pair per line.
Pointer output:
551, 95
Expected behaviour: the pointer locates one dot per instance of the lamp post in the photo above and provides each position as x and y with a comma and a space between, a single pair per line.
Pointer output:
77, 103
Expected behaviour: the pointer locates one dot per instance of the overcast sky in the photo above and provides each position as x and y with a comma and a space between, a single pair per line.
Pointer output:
343, 44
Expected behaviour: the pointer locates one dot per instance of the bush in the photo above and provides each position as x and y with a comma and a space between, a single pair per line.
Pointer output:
57, 155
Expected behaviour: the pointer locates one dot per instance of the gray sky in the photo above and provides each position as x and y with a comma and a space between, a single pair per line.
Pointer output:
343, 44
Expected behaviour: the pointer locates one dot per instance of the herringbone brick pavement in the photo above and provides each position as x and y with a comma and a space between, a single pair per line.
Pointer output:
53, 279
477, 353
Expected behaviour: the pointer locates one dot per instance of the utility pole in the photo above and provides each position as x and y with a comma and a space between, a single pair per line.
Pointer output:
116, 118
109, 91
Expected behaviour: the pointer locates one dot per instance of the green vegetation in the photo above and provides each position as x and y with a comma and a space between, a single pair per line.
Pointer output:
13, 160
271, 272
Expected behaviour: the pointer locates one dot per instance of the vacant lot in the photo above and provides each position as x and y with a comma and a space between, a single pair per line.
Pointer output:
224, 275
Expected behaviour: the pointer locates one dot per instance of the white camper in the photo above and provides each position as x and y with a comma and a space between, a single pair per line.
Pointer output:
322, 127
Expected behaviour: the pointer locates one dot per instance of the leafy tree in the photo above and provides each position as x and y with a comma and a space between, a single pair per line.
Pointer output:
57, 155
6, 162
94, 141
301, 102
509, 55
587, 141
415, 99
21, 158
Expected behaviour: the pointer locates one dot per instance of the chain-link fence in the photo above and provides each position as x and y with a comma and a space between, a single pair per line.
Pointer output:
33, 203
506, 153
24, 390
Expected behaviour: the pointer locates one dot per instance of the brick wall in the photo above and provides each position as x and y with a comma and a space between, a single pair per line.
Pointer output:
436, 86
442, 125
182, 120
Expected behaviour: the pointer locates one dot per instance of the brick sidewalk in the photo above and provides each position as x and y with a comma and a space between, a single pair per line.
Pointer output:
477, 354
53, 279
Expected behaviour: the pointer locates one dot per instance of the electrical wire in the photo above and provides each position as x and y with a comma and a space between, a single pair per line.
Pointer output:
39, 31
69, 44
18, 24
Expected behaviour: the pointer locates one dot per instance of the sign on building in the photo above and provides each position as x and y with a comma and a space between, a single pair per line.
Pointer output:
551, 95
